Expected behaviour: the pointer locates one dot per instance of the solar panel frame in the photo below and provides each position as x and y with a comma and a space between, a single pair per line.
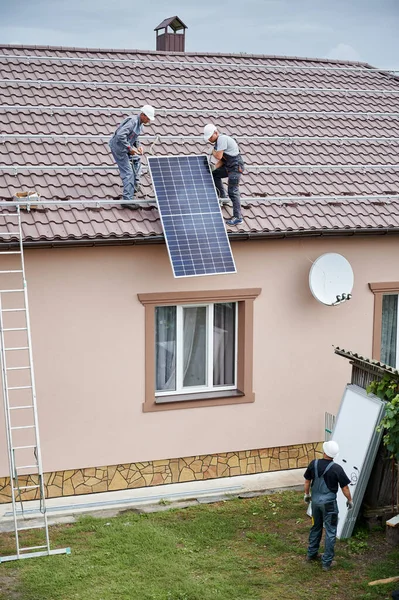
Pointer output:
186, 225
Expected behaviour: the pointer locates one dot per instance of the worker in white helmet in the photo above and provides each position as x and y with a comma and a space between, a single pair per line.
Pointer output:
229, 164
127, 152
323, 477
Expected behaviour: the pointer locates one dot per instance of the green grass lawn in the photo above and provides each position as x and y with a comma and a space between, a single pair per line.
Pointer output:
250, 549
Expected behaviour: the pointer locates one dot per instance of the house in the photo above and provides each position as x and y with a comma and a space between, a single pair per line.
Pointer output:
320, 142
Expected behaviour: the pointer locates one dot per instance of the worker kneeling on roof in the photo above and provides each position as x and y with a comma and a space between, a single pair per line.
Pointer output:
127, 152
229, 164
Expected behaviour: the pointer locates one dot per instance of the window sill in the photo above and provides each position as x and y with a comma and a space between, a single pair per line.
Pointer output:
203, 399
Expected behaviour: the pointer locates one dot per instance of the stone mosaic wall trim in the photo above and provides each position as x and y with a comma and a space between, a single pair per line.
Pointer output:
158, 472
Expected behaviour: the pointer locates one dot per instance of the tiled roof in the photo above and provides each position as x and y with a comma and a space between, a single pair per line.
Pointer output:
271, 219
73, 96
358, 358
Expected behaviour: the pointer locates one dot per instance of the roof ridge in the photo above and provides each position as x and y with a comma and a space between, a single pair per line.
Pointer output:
181, 54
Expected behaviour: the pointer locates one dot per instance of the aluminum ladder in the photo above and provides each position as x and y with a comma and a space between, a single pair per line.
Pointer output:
19, 395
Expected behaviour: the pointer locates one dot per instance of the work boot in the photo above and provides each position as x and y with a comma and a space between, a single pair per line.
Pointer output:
234, 221
130, 206
313, 558
329, 567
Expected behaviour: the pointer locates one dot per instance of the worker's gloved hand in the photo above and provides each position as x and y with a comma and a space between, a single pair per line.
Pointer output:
307, 498
349, 504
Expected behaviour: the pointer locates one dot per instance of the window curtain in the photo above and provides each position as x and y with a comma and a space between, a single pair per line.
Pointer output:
224, 318
194, 346
165, 348
389, 329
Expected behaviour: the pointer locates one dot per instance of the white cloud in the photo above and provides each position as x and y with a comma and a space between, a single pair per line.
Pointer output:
344, 52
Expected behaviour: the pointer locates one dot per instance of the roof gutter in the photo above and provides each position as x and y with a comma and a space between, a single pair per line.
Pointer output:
123, 241
353, 231
234, 237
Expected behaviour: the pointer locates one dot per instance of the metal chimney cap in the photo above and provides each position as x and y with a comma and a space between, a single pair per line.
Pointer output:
174, 22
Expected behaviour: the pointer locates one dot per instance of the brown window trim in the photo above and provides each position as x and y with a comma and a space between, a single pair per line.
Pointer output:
379, 289
244, 392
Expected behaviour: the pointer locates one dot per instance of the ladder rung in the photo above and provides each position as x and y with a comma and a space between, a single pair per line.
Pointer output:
9, 291
12, 252
13, 271
21, 387
28, 467
22, 447
32, 547
23, 427
32, 527
16, 368
19, 407
15, 329
19, 348
12, 309
46, 552
26, 487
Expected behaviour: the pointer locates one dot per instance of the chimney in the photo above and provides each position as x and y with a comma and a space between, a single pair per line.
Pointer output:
171, 41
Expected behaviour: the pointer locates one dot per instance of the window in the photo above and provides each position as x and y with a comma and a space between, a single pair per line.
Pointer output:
389, 330
386, 332
195, 348
198, 348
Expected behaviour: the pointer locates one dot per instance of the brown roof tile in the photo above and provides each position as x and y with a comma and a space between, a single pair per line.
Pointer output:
150, 75
261, 218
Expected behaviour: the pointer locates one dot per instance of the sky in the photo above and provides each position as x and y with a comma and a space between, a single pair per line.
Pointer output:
357, 30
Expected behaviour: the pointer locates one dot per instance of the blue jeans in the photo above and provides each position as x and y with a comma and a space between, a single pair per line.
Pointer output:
126, 171
233, 183
327, 514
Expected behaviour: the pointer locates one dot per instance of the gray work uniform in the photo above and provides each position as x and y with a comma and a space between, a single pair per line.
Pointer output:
125, 138
232, 168
324, 510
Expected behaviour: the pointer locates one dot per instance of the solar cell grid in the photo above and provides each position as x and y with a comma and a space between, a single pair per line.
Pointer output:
192, 222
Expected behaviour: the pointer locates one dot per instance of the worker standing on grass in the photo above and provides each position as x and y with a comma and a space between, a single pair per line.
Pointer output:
229, 164
325, 477
126, 151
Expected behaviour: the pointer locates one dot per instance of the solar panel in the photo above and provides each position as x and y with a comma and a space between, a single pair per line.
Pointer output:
191, 218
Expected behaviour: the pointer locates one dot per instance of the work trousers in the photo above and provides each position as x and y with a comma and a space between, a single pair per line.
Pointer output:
128, 173
233, 190
327, 514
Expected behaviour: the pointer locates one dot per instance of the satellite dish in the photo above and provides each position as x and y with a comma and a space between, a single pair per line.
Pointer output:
331, 279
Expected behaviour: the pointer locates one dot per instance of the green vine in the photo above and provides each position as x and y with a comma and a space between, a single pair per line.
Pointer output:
388, 390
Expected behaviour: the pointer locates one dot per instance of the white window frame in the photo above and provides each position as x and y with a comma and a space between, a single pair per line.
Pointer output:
209, 387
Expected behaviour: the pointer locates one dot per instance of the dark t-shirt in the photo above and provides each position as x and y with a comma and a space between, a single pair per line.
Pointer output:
335, 475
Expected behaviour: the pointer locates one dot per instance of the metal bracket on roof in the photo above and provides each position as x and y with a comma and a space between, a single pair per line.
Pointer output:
157, 139
15, 171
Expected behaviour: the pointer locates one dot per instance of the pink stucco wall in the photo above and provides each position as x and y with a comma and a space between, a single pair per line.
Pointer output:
88, 342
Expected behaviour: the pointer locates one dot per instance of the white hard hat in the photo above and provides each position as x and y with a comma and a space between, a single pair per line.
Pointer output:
209, 130
331, 448
148, 111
